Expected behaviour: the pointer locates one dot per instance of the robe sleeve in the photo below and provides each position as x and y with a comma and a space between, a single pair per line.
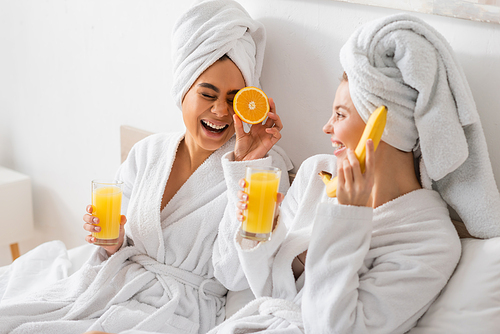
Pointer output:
227, 266
127, 173
342, 295
257, 262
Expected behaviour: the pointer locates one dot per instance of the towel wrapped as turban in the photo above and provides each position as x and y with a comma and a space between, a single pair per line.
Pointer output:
206, 32
405, 64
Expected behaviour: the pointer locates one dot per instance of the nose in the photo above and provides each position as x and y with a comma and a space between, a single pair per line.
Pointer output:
328, 127
221, 108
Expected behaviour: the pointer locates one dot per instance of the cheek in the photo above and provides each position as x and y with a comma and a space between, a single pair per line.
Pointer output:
340, 130
192, 108
231, 130
347, 135
190, 117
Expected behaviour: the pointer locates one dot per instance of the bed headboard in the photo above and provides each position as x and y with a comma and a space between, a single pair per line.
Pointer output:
128, 137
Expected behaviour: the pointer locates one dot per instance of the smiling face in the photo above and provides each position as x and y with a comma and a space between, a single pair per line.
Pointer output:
345, 126
207, 108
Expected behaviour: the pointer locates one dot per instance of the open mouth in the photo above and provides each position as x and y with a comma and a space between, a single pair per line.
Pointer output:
337, 146
213, 127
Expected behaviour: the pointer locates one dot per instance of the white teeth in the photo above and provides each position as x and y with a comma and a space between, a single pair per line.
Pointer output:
212, 125
337, 146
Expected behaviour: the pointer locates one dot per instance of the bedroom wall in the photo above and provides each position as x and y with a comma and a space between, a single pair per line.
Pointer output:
72, 72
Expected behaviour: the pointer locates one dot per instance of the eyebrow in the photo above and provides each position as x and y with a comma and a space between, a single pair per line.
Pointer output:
337, 107
217, 90
209, 86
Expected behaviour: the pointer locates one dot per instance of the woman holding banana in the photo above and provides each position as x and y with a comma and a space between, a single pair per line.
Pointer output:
373, 258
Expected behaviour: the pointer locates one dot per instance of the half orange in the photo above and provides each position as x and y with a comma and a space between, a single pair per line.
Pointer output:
251, 105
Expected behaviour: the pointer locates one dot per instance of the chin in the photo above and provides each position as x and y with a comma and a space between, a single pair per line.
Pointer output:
210, 144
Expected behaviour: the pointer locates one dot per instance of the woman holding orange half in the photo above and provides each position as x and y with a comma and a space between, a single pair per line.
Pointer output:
160, 277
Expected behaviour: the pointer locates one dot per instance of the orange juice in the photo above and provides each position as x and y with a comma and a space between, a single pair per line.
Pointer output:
107, 201
262, 187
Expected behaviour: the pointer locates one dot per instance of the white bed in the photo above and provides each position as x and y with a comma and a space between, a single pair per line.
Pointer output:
470, 303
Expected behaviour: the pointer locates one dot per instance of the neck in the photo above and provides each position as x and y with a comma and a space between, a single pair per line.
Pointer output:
191, 154
394, 175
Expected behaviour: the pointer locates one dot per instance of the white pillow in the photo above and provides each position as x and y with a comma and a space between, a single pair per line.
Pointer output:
470, 302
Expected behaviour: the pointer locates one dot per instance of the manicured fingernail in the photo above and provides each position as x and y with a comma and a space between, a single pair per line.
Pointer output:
95, 220
242, 183
245, 197
97, 229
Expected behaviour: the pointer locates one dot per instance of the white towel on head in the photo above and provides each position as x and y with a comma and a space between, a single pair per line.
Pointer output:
402, 62
206, 32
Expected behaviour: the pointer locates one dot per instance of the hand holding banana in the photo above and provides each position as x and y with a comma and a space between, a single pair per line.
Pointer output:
373, 130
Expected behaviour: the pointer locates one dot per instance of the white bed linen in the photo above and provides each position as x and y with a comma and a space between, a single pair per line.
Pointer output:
475, 287
37, 269
70, 260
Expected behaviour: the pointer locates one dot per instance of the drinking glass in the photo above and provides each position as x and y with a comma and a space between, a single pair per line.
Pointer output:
106, 203
262, 188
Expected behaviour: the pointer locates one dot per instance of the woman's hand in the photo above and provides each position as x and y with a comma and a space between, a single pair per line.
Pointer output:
260, 139
355, 188
92, 225
243, 203
242, 206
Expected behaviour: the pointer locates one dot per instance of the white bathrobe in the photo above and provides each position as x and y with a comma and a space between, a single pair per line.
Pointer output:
367, 270
162, 279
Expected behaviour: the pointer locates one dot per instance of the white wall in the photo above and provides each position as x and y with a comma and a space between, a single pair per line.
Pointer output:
72, 72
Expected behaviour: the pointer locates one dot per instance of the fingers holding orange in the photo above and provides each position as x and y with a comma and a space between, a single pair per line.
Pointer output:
273, 120
238, 126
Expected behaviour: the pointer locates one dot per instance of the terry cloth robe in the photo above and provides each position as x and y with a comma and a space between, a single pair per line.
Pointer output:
162, 279
367, 270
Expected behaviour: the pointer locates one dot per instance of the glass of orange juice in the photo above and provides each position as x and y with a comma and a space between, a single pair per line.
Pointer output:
107, 203
262, 188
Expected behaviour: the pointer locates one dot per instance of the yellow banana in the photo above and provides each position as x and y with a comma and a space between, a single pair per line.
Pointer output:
373, 130
331, 184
